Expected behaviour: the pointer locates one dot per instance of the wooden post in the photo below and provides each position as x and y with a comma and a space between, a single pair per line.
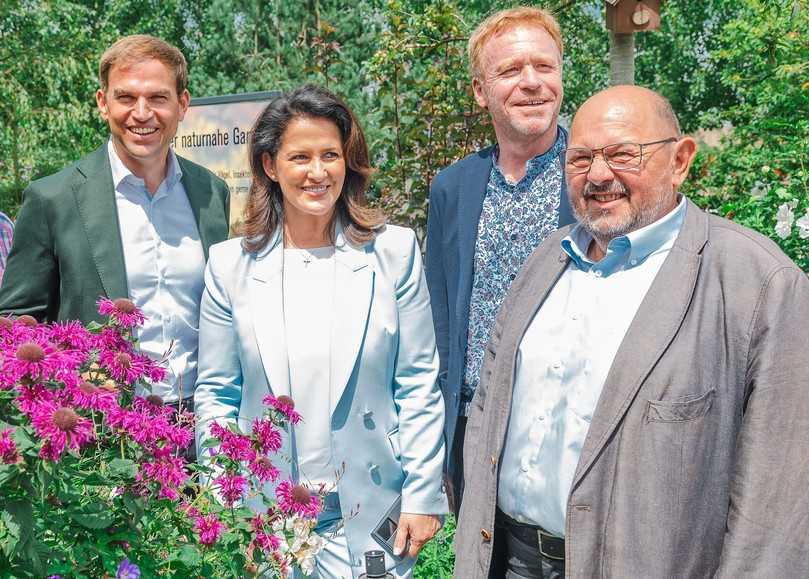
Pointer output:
622, 58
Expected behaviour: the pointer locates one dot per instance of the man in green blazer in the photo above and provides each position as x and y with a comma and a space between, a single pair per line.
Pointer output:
130, 219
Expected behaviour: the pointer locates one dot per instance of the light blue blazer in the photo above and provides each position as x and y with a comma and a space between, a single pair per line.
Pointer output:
387, 413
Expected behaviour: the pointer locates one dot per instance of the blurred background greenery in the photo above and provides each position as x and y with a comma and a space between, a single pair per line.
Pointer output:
736, 71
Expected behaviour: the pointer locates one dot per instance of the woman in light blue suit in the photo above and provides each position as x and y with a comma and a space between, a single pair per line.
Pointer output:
323, 302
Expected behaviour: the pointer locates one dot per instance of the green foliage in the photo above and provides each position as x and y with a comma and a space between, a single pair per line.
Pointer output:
763, 160
739, 66
422, 84
437, 558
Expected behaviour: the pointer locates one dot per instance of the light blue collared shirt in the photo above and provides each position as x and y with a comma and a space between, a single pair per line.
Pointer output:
164, 270
563, 361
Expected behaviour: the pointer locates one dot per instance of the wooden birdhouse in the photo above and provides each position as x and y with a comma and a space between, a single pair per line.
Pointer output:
626, 16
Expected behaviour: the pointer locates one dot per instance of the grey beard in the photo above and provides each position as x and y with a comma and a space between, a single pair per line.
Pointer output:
637, 218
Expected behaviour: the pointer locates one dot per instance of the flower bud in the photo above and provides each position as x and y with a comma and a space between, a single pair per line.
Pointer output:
30, 352
124, 305
27, 320
65, 419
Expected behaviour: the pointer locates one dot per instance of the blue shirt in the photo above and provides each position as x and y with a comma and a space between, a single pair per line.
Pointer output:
164, 263
515, 218
562, 363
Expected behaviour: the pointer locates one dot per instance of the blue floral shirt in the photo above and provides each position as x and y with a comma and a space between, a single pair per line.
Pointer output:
515, 218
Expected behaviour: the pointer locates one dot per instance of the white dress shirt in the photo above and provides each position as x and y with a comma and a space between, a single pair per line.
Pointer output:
563, 361
308, 279
164, 263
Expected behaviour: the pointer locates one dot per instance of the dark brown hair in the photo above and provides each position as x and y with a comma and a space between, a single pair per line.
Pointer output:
265, 201
138, 48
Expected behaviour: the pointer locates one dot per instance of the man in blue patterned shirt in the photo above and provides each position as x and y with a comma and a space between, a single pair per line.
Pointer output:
490, 210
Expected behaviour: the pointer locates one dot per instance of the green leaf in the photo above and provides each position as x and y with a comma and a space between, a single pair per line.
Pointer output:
94, 520
7, 472
123, 468
189, 556
95, 515
135, 505
9, 534
23, 439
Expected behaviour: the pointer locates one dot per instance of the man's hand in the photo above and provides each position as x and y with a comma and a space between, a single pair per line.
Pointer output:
418, 529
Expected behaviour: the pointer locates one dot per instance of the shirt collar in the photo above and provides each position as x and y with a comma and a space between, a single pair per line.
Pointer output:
534, 166
121, 171
630, 250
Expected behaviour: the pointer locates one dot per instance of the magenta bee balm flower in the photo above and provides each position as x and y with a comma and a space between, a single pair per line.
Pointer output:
8, 448
209, 528
231, 486
285, 405
60, 427
297, 499
122, 311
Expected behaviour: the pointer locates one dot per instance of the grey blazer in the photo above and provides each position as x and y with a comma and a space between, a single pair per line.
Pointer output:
696, 463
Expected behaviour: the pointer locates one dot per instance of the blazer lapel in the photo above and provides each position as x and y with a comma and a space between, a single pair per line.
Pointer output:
353, 290
653, 328
198, 200
95, 199
471, 192
266, 295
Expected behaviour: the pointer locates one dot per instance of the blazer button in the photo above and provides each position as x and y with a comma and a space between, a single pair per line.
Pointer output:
487, 536
493, 459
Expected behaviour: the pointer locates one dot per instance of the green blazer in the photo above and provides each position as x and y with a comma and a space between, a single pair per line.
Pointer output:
67, 249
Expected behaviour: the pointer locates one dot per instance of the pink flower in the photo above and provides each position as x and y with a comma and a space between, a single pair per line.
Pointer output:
88, 395
122, 312
265, 541
235, 446
60, 427
8, 448
167, 470
285, 405
297, 499
263, 469
111, 339
35, 359
232, 487
209, 528
124, 367
149, 424
71, 335
29, 396
267, 436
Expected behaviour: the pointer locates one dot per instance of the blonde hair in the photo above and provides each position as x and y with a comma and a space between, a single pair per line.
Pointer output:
138, 48
506, 20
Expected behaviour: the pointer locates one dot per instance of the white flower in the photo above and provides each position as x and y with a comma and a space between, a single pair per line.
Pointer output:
759, 190
307, 563
803, 226
784, 219
300, 527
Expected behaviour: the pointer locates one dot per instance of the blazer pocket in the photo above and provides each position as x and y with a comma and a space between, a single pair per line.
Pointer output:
682, 409
395, 445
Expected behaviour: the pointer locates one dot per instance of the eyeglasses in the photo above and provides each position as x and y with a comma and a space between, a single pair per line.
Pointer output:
620, 156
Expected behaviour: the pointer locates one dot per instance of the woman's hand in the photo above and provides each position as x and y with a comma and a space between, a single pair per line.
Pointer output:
418, 529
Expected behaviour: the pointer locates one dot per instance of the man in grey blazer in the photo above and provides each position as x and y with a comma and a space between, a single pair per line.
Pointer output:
129, 220
643, 409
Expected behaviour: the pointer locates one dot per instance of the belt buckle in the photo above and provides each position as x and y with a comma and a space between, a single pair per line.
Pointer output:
542, 551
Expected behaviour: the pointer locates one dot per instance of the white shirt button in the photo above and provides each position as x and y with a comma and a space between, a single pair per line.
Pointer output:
633, 262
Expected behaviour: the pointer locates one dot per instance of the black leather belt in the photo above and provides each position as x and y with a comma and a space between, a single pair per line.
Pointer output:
549, 546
